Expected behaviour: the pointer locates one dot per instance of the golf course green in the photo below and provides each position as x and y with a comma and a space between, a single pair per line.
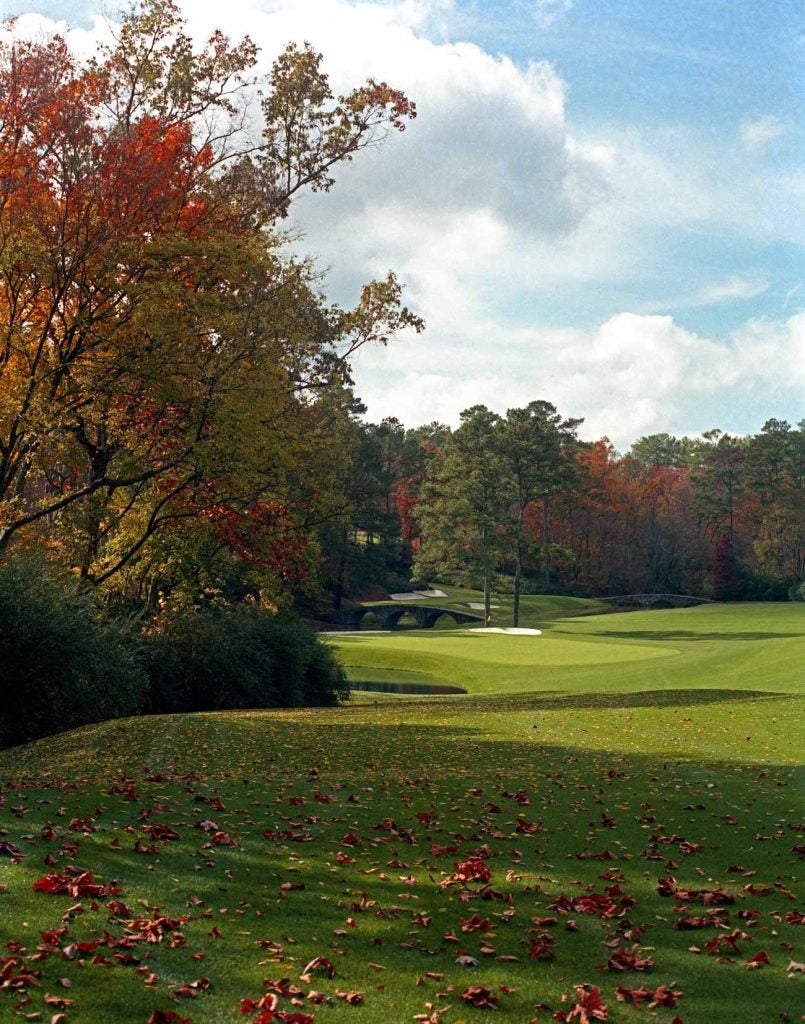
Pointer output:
605, 826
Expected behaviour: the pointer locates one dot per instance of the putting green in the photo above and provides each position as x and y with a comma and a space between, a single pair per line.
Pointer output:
502, 650
711, 646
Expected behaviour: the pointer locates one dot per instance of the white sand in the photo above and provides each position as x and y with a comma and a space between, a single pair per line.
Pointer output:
510, 630
480, 607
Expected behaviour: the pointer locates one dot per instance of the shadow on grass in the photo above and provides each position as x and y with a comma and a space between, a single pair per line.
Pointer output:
558, 701
382, 686
690, 634
652, 698
453, 771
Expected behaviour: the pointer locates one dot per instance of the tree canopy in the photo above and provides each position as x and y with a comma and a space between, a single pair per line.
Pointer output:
163, 358
177, 416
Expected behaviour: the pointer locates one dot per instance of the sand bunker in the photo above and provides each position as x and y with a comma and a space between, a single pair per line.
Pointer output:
510, 630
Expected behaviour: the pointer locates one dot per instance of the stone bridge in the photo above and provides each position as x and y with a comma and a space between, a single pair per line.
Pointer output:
388, 615
657, 600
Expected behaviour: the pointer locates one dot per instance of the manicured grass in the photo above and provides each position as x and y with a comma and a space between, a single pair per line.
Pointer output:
534, 609
617, 750
742, 646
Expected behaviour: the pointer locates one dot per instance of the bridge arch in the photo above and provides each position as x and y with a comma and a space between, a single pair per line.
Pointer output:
388, 616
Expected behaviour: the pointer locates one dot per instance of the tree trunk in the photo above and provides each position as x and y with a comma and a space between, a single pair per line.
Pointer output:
487, 596
518, 570
338, 590
546, 555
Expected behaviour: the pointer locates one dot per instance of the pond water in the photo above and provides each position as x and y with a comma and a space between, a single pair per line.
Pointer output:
388, 687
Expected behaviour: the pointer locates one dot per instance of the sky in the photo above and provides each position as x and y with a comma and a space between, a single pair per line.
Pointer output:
599, 204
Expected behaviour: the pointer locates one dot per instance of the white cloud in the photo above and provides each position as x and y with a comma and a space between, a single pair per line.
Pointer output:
631, 375
548, 12
492, 203
757, 133
83, 41
729, 290
771, 355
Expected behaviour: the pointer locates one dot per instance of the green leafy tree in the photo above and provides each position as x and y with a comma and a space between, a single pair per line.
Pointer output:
726, 580
718, 482
464, 504
664, 450
160, 354
358, 541
775, 470
538, 449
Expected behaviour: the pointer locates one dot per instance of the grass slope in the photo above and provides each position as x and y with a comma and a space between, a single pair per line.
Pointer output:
679, 758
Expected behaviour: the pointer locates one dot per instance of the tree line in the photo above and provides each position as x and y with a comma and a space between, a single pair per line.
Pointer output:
520, 503
178, 425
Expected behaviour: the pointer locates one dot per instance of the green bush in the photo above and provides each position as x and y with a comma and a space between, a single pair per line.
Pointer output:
796, 592
224, 658
61, 663
756, 587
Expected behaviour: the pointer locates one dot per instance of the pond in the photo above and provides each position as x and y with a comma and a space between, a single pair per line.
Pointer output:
377, 686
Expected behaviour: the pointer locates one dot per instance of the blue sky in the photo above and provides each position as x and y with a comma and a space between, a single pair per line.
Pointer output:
600, 203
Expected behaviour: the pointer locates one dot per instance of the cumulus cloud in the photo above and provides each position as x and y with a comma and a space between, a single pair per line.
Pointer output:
631, 375
756, 134
490, 135
771, 355
493, 204
83, 38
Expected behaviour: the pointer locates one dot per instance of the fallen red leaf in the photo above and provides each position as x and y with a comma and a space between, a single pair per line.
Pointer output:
479, 996
588, 1006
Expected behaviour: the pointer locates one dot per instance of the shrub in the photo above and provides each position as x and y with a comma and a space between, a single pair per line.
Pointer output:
61, 663
222, 658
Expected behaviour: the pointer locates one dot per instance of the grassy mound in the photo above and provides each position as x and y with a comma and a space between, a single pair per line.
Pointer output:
399, 858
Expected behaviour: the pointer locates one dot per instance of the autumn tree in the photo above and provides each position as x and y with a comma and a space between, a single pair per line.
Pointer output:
630, 526
159, 350
775, 471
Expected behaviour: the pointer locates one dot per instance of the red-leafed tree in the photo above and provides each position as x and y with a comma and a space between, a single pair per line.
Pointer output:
153, 335
726, 581
629, 526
